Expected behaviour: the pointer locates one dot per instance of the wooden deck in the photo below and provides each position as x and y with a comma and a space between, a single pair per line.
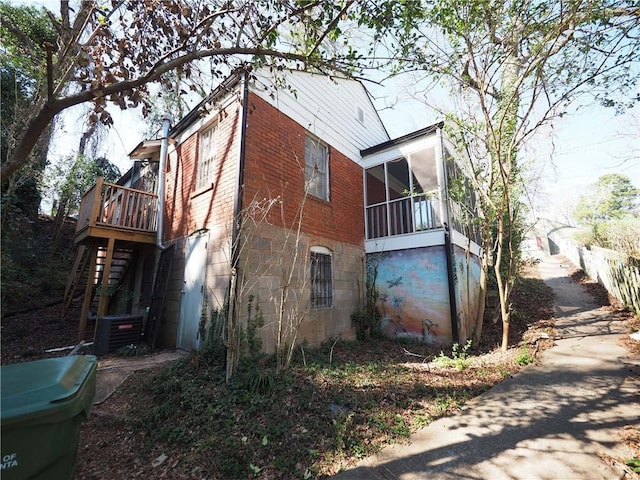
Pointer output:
110, 211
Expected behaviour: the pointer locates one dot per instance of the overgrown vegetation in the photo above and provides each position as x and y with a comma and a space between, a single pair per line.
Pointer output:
336, 411
336, 404
33, 266
367, 319
611, 215
621, 235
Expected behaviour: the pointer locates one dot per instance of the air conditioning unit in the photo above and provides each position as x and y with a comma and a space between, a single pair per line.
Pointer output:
117, 331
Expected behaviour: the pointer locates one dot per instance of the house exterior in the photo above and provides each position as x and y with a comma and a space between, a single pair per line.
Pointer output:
280, 201
420, 241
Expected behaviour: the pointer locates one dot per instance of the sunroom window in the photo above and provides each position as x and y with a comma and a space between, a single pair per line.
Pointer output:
401, 195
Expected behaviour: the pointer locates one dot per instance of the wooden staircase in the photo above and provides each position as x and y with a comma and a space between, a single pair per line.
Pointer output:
115, 223
92, 275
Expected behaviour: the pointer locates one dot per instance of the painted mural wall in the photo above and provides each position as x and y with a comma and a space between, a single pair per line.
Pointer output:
467, 288
413, 294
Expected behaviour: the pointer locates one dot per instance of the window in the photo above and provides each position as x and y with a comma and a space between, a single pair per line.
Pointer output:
321, 278
206, 157
401, 195
316, 168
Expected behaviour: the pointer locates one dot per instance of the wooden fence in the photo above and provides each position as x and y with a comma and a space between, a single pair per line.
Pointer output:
618, 273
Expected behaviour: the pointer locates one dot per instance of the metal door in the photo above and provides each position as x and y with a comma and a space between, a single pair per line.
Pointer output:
193, 290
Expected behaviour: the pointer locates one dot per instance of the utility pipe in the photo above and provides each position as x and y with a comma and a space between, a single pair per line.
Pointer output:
164, 148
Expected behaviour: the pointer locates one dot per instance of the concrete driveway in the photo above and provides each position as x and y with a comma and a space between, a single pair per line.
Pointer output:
551, 421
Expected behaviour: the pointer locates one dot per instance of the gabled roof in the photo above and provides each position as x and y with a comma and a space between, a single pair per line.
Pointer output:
337, 110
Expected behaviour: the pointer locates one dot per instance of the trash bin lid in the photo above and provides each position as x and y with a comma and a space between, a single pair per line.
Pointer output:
28, 389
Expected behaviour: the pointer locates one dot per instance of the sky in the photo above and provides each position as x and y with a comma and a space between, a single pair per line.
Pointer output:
582, 146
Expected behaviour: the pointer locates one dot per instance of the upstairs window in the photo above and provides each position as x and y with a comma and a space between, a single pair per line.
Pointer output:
316, 168
321, 278
206, 157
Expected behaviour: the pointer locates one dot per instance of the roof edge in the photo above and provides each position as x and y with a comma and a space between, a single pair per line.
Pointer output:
405, 138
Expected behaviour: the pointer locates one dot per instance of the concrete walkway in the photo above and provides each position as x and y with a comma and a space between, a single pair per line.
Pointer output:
551, 421
112, 371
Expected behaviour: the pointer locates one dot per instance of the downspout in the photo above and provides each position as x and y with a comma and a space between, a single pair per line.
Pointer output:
448, 244
237, 208
164, 148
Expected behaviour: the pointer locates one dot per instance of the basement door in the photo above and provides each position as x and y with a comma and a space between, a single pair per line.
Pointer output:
193, 290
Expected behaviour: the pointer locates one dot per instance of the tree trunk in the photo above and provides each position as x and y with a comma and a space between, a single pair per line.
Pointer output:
28, 140
232, 342
482, 297
505, 330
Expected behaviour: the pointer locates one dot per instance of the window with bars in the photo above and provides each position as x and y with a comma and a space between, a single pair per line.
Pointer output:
316, 168
206, 157
321, 278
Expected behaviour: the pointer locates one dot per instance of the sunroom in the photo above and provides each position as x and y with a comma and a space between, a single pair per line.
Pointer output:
423, 255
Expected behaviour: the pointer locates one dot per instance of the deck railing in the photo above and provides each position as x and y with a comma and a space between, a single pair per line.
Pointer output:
398, 217
110, 205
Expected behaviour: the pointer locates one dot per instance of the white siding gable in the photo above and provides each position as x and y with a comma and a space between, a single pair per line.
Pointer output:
336, 110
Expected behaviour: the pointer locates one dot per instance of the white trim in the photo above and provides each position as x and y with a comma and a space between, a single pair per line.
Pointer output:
441, 172
398, 151
428, 238
461, 241
208, 119
325, 175
321, 249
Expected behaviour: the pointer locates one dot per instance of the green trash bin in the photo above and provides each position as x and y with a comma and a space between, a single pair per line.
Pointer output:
43, 404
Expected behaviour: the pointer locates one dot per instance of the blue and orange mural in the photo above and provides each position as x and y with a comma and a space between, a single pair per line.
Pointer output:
413, 294
467, 287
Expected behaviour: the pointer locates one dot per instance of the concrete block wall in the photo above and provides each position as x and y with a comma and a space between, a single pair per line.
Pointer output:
264, 268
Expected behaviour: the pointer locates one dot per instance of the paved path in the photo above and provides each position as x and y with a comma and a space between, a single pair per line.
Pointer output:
548, 422
112, 371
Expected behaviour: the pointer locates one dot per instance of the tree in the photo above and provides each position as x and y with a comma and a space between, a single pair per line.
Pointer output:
111, 54
611, 197
73, 176
513, 67
23, 31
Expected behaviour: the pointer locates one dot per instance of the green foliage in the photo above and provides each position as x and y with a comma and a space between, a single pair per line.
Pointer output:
338, 409
255, 321
21, 193
258, 379
634, 464
32, 265
74, 175
621, 235
524, 356
24, 31
459, 358
367, 320
611, 197
213, 349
